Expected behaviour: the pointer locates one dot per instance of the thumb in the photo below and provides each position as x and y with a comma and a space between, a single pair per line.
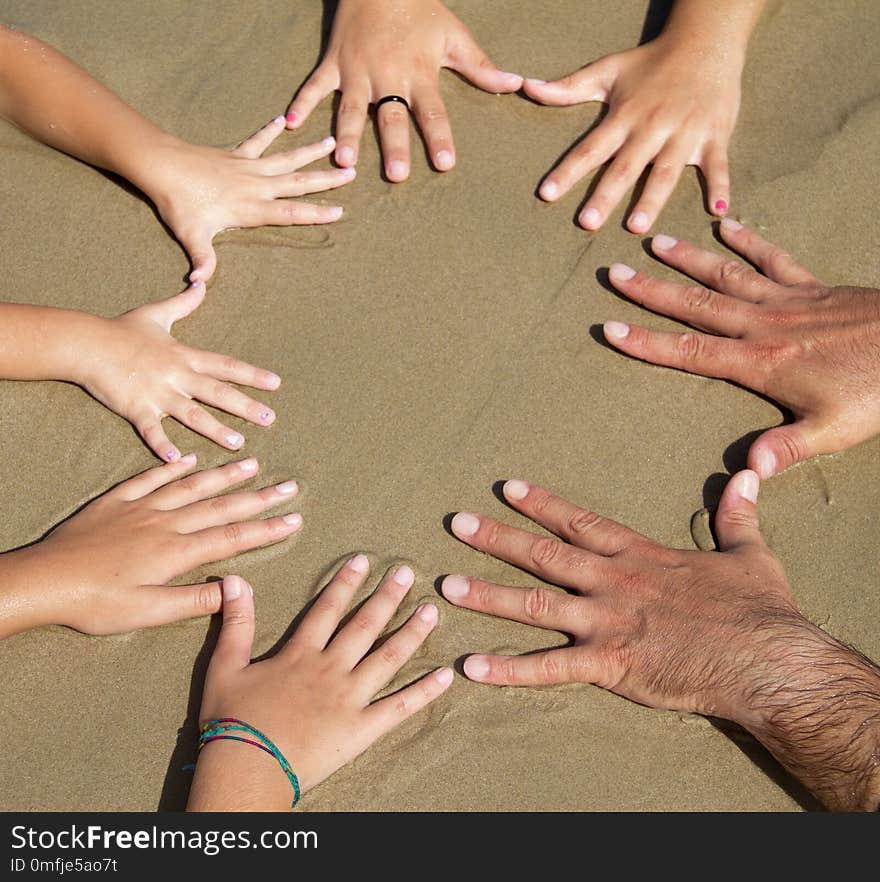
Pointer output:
470, 61
736, 520
167, 312
201, 255
779, 448
590, 83
233, 649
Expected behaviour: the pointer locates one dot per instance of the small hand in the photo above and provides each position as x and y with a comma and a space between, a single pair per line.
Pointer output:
814, 349
134, 366
315, 697
395, 47
668, 106
106, 569
200, 191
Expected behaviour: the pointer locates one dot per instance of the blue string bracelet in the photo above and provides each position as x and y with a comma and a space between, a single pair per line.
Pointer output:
219, 729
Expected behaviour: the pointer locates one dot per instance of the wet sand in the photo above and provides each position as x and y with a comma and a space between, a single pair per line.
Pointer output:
434, 342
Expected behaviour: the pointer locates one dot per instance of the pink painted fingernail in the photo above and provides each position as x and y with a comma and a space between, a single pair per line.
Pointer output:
172, 455
291, 116
455, 587
621, 272
476, 667
397, 170
287, 488
346, 156
404, 576
267, 416
427, 612
465, 524
591, 219
721, 206
615, 330
232, 588
293, 520
549, 191
445, 160
639, 222
516, 490
248, 465
749, 483
733, 226
360, 563
444, 676
188, 459
661, 242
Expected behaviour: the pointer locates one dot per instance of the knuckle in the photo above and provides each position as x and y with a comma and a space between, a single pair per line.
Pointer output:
663, 172
390, 655
551, 669
236, 617
731, 270
689, 347
232, 533
492, 534
194, 413
583, 522
543, 552
364, 623
699, 299
220, 391
391, 116
620, 171
349, 107
189, 485
205, 598
401, 705
230, 364
537, 603
434, 113
540, 502
219, 505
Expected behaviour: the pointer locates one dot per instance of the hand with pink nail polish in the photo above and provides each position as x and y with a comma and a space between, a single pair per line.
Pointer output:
379, 48
133, 366
198, 191
672, 102
106, 569
315, 698
701, 632
814, 349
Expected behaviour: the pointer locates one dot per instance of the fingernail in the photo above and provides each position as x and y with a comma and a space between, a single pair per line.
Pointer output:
232, 588
548, 191
511, 76
397, 170
404, 576
291, 116
728, 223
329, 141
267, 416
360, 563
721, 206
273, 381
250, 588
346, 156
189, 459
639, 222
335, 212
249, 465
533, 81
465, 524
172, 455
455, 587
765, 464
591, 218
234, 440
278, 119
445, 160
287, 488
615, 330
516, 490
621, 272
476, 667
444, 676
427, 612
748, 485
348, 173
193, 284
663, 243
293, 520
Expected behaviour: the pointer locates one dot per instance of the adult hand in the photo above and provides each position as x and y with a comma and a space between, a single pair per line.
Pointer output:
815, 349
105, 570
315, 697
395, 47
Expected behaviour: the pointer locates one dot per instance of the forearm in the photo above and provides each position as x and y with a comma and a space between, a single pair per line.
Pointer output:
722, 28
48, 96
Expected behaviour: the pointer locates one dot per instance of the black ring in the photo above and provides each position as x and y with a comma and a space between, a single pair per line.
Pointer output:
388, 98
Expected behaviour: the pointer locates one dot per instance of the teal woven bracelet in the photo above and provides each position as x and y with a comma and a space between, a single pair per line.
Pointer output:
217, 730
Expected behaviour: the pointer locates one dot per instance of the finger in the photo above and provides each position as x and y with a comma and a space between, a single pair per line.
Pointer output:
383, 715
285, 214
662, 180
775, 263
466, 57
163, 604
736, 520
541, 607
291, 160
393, 119
722, 274
433, 122
350, 121
195, 417
576, 525
567, 665
225, 397
698, 306
779, 448
552, 560
258, 143
311, 93
716, 171
149, 426
219, 543
353, 641
302, 183
378, 669
225, 367
232, 508
200, 250
236, 638
585, 157
166, 312
590, 83
203, 485
700, 354
152, 479
331, 604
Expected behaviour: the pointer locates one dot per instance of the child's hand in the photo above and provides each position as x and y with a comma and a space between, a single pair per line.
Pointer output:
668, 106
135, 367
313, 698
395, 47
106, 569
200, 191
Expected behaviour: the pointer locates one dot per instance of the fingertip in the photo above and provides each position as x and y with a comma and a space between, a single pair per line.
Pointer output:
171, 454
404, 576
746, 484
273, 381
476, 667
360, 564
764, 461
397, 171
233, 586
291, 119
465, 524
515, 490
455, 588
729, 225
615, 331
590, 219
639, 222
189, 459
444, 676
719, 207
662, 243
346, 156
621, 272
549, 191
444, 160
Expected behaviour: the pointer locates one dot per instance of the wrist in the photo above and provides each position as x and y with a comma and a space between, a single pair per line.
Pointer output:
149, 166
25, 596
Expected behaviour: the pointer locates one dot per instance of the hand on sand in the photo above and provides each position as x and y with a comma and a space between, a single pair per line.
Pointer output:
134, 366
200, 191
668, 106
314, 697
395, 47
814, 349
105, 570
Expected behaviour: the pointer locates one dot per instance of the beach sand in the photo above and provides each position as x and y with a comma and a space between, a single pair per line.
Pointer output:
437, 340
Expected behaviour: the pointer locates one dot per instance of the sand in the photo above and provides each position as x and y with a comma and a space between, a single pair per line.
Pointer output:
435, 341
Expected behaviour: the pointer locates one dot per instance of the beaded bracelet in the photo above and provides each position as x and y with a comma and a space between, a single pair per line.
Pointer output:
217, 730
